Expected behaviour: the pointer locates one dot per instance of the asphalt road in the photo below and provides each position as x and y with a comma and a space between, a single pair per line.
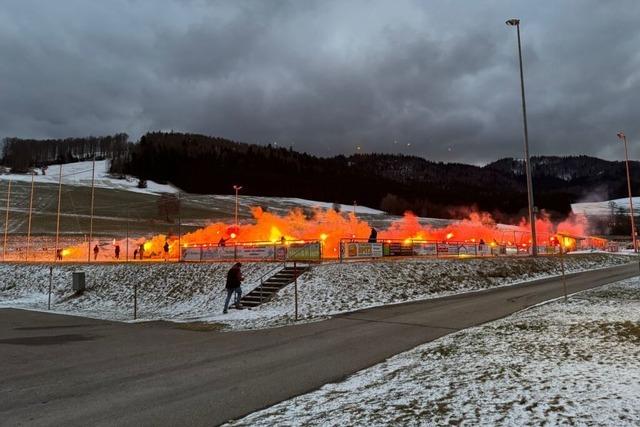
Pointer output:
64, 370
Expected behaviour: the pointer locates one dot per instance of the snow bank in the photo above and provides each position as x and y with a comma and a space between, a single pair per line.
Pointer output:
196, 291
572, 363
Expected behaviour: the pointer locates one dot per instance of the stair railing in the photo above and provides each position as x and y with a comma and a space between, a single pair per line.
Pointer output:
279, 266
268, 273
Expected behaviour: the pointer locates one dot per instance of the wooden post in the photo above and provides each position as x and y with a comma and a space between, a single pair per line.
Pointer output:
50, 283
564, 280
295, 288
135, 301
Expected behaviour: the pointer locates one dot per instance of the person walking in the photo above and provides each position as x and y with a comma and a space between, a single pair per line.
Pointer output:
117, 251
373, 237
141, 251
166, 250
234, 282
135, 253
96, 249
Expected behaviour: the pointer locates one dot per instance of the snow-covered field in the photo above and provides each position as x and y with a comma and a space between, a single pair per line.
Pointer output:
79, 174
603, 208
188, 292
574, 363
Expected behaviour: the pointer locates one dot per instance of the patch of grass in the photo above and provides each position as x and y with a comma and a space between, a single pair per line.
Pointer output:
626, 331
445, 350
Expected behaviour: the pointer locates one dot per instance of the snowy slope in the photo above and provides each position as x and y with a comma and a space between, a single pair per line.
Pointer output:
603, 208
79, 174
196, 291
572, 363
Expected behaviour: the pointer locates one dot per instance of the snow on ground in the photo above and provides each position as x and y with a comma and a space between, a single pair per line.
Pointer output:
79, 174
195, 292
171, 290
603, 208
574, 363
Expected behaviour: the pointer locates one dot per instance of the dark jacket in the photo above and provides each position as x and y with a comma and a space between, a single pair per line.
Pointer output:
234, 278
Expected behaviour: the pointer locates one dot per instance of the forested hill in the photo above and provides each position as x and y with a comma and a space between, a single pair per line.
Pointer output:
394, 183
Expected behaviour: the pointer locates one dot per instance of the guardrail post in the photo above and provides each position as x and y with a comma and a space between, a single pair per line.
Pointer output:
564, 279
50, 283
295, 287
135, 300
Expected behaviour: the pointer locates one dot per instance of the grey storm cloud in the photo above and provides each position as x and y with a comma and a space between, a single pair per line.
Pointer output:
437, 79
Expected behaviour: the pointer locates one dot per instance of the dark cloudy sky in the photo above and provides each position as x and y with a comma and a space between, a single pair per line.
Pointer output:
327, 76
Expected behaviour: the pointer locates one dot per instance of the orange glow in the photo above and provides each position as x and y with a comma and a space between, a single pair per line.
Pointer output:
330, 227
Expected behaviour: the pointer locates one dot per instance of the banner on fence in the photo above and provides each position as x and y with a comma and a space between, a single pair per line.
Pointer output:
303, 251
424, 249
361, 250
192, 254
398, 249
218, 253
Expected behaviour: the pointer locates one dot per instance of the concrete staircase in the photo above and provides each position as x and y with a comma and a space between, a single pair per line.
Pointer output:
269, 287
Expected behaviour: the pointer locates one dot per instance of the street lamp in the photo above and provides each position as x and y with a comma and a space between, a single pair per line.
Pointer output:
237, 188
532, 219
623, 137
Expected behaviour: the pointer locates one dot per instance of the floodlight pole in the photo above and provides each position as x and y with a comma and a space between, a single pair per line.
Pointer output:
127, 243
93, 176
58, 214
26, 257
623, 137
237, 188
6, 222
179, 228
532, 219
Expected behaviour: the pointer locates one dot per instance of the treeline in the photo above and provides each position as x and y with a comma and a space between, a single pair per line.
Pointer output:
395, 183
22, 154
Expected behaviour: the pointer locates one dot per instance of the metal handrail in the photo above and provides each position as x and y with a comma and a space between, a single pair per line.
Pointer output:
268, 273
